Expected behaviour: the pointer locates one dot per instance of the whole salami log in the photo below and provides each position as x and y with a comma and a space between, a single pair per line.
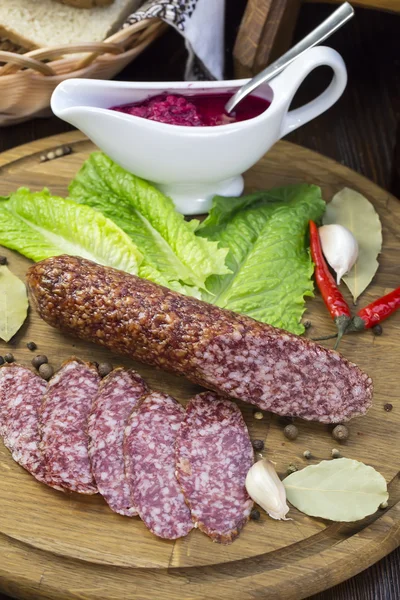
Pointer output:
213, 456
219, 349
21, 394
149, 449
118, 395
63, 426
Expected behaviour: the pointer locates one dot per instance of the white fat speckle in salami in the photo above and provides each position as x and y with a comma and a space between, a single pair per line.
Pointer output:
118, 395
21, 394
63, 426
149, 449
214, 454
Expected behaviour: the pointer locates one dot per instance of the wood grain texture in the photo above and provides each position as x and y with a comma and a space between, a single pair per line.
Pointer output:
68, 546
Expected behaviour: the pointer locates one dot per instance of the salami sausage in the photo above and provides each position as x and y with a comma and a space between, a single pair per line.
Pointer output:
118, 395
21, 393
213, 456
149, 449
229, 353
63, 426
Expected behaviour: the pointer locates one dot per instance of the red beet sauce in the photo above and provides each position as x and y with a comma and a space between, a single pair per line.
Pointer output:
194, 111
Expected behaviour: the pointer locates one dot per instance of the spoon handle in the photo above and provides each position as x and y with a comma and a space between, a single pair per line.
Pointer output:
336, 20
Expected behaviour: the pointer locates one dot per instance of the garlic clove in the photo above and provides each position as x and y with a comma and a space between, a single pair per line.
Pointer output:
340, 248
266, 489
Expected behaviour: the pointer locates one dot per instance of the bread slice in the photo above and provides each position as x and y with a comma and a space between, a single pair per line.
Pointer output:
86, 3
44, 23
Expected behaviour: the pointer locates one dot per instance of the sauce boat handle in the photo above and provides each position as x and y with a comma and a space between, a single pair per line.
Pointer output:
288, 82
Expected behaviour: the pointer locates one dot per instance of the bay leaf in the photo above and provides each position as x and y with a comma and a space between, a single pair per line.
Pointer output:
352, 210
13, 304
340, 490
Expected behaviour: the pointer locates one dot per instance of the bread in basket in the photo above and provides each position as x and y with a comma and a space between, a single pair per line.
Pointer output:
55, 42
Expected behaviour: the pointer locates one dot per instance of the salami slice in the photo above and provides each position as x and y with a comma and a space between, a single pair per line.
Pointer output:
63, 424
214, 454
149, 449
21, 394
118, 395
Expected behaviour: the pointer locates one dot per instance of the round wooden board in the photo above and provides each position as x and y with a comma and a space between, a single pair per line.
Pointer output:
55, 545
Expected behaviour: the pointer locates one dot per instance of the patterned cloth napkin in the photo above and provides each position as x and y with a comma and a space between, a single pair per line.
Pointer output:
201, 23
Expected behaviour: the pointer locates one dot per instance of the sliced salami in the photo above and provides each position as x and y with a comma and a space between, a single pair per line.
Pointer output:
63, 424
214, 454
118, 395
149, 449
21, 394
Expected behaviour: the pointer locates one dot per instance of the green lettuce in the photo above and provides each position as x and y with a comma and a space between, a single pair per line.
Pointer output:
268, 256
172, 253
39, 225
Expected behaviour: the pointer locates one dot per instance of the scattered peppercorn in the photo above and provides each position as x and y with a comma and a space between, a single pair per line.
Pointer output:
307, 454
52, 154
104, 369
3, 260
291, 469
377, 329
96, 364
255, 515
388, 407
9, 357
46, 371
2, 361
39, 360
258, 445
335, 453
307, 324
31, 346
384, 505
340, 433
291, 432
258, 415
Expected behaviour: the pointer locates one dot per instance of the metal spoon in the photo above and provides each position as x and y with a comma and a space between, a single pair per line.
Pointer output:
318, 35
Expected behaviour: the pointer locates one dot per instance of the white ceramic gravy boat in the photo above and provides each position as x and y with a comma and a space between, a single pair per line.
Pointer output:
192, 164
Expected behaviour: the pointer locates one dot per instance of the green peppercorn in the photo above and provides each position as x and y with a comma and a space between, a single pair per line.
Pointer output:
257, 414
307, 454
335, 453
291, 432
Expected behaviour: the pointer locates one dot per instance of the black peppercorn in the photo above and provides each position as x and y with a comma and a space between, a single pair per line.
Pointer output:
104, 369
3, 260
2, 361
388, 407
377, 329
39, 360
255, 515
291, 432
9, 357
46, 371
31, 346
258, 445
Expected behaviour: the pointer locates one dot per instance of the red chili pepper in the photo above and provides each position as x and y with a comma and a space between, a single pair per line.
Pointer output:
377, 311
330, 293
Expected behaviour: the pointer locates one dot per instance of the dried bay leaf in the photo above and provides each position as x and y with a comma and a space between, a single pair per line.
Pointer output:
13, 304
352, 210
340, 490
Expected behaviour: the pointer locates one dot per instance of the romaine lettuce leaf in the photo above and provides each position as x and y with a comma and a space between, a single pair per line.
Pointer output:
39, 225
169, 246
268, 255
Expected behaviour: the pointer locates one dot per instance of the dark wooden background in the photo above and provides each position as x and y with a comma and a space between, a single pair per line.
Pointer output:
361, 131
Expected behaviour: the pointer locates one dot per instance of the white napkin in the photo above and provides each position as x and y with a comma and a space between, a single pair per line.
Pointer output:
201, 23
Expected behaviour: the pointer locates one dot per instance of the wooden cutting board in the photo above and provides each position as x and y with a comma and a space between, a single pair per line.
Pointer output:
66, 546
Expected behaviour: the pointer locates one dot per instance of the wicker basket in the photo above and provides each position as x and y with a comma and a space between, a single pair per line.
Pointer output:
28, 80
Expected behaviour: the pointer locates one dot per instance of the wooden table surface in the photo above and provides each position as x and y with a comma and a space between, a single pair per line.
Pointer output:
362, 131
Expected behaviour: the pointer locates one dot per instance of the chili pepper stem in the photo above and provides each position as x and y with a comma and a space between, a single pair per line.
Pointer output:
342, 323
356, 324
